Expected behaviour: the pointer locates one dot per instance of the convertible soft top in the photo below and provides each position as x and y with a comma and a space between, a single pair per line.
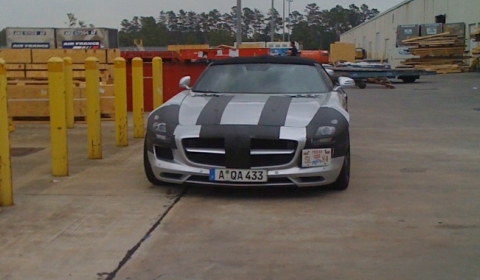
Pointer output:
266, 59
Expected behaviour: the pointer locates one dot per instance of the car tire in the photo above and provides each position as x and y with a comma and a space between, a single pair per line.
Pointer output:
361, 84
409, 80
148, 168
343, 178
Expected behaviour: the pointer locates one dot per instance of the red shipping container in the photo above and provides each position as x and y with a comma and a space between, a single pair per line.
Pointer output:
175, 66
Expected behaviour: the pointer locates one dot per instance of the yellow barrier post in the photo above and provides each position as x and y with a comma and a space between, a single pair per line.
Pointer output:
137, 86
69, 92
94, 129
6, 187
58, 123
121, 121
157, 81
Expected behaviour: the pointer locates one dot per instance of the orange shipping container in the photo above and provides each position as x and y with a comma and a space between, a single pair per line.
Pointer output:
320, 56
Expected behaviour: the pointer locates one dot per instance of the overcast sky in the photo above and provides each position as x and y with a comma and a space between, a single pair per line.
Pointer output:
109, 13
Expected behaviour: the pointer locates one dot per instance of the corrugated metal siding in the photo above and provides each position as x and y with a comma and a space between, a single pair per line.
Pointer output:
410, 12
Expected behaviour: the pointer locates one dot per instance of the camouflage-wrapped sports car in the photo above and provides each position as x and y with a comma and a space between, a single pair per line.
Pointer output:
257, 121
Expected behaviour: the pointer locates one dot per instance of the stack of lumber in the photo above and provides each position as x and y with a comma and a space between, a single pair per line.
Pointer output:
27, 81
476, 37
26, 66
443, 53
475, 65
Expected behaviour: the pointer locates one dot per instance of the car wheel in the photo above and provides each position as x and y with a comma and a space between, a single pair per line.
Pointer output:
409, 80
344, 177
148, 168
361, 84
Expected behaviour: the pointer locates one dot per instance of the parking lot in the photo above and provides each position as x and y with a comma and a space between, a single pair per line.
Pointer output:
412, 210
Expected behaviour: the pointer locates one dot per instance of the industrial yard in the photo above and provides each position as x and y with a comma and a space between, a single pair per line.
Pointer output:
78, 104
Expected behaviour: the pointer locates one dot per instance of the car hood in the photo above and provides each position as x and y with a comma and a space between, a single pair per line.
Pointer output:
250, 109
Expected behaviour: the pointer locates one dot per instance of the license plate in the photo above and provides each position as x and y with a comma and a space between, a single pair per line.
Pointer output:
238, 175
316, 157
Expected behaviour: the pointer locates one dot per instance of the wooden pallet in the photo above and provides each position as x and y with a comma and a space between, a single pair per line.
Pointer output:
31, 102
39, 71
106, 56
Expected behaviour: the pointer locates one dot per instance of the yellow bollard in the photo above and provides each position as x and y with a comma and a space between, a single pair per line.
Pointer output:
6, 187
121, 121
94, 128
58, 123
69, 92
157, 81
137, 86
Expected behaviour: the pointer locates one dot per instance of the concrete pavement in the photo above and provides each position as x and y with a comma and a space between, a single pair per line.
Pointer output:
81, 226
411, 211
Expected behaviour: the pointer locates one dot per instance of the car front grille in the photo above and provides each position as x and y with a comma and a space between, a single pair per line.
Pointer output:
263, 152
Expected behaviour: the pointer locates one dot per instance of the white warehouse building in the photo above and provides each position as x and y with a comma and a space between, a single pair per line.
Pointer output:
378, 36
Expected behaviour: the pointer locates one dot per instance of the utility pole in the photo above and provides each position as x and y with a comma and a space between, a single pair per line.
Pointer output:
239, 23
289, 20
272, 22
283, 22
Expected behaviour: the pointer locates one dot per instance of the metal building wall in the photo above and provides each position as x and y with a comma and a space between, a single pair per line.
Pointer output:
378, 36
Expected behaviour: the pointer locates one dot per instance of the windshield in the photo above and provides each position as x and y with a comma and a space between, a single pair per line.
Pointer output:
261, 78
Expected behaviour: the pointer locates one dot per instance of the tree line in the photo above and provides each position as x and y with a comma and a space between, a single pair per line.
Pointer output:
314, 28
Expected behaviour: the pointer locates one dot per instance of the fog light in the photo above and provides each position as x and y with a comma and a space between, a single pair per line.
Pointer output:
321, 141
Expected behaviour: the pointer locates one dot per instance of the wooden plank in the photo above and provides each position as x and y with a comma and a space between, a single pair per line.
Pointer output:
448, 71
75, 66
78, 56
425, 37
15, 74
112, 54
16, 56
15, 66
39, 71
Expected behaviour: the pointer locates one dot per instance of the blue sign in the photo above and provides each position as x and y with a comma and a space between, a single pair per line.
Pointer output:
29, 33
81, 44
279, 51
30, 45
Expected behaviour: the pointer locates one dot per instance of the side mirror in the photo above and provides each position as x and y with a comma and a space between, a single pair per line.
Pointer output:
185, 82
330, 72
346, 82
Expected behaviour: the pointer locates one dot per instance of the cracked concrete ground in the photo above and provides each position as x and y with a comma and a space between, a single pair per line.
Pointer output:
80, 226
411, 211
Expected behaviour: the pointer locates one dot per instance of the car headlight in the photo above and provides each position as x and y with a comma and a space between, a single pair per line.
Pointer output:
325, 131
160, 130
160, 127
324, 135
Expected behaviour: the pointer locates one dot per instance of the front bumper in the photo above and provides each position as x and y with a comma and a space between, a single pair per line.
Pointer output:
178, 173
181, 170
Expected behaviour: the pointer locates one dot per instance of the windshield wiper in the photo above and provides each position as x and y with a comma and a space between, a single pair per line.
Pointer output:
300, 95
206, 91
